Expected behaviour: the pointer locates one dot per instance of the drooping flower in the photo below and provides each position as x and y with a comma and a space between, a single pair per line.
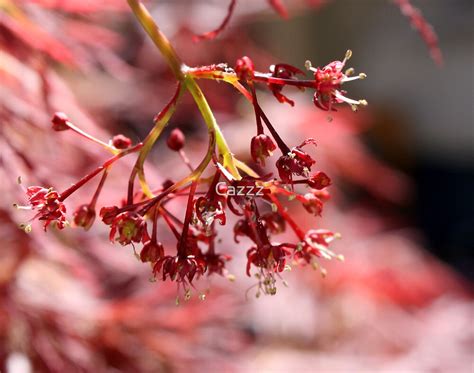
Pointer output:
130, 227
261, 147
296, 162
84, 216
180, 268
152, 251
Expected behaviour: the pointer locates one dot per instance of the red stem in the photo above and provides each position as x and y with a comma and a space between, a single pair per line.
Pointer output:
88, 177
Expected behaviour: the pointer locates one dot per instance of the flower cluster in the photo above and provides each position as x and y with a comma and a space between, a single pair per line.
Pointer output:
221, 188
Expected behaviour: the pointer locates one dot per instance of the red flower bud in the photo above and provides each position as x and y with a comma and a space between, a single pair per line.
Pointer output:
312, 204
152, 251
319, 180
261, 147
176, 140
84, 216
244, 68
59, 121
121, 142
108, 214
167, 184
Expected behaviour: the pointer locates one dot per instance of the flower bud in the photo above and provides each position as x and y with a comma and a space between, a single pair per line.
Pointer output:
319, 180
152, 251
121, 142
84, 216
176, 140
261, 147
59, 121
313, 204
108, 214
167, 184
244, 68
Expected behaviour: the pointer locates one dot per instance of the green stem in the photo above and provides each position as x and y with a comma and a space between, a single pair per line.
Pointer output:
161, 121
179, 69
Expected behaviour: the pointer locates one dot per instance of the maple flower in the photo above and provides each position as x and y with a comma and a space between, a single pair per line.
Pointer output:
215, 262
84, 216
261, 147
319, 180
152, 251
296, 162
316, 244
50, 207
312, 204
180, 268
328, 81
130, 227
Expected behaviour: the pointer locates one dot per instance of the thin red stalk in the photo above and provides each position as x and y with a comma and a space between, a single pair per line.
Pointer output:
99, 188
298, 231
212, 34
185, 159
88, 177
265, 78
187, 219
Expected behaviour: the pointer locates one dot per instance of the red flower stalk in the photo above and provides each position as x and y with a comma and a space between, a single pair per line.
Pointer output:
283, 71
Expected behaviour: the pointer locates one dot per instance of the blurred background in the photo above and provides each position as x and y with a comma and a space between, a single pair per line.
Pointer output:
403, 173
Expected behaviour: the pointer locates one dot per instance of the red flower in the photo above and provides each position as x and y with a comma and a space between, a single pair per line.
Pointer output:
316, 244
319, 180
210, 208
296, 162
328, 81
312, 204
84, 216
47, 202
152, 251
244, 68
130, 227
215, 262
108, 214
261, 147
180, 268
